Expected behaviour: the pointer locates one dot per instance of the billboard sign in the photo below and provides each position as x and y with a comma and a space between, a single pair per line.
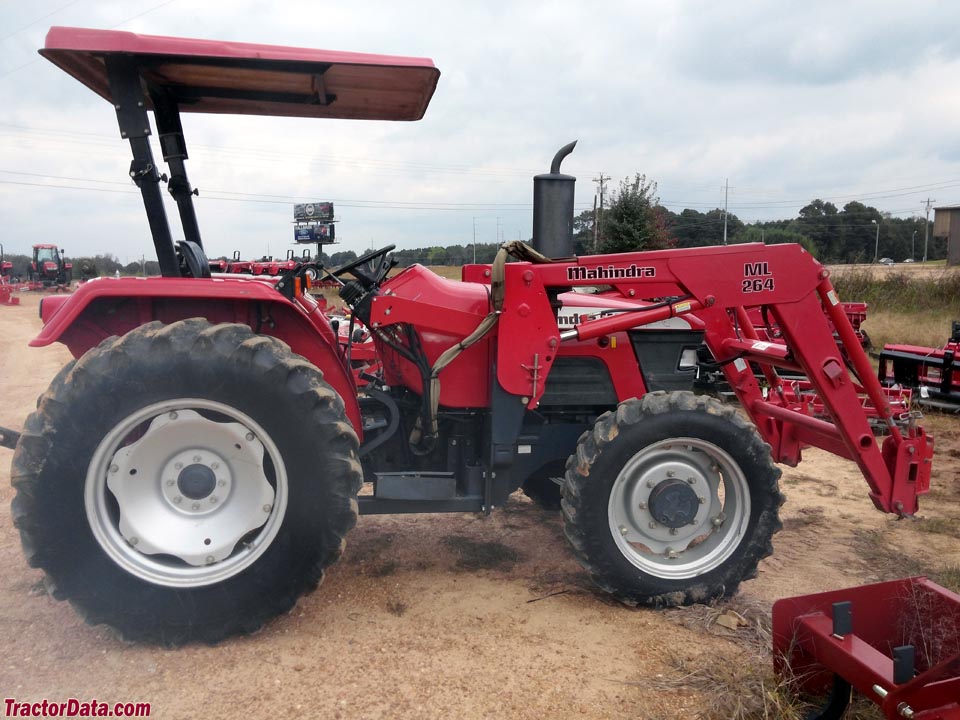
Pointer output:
314, 233
313, 212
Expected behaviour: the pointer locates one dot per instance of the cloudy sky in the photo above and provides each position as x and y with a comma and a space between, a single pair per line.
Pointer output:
790, 101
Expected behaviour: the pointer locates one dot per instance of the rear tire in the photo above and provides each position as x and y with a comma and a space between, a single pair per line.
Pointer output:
186, 482
671, 500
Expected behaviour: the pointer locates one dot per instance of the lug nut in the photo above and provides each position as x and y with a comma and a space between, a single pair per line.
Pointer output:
717, 521
643, 505
652, 524
213, 499
214, 465
195, 506
703, 500
623, 530
197, 458
172, 416
178, 499
178, 466
267, 508
221, 483
691, 481
134, 541
211, 559
673, 531
113, 468
250, 436
672, 554
169, 483
671, 473
651, 483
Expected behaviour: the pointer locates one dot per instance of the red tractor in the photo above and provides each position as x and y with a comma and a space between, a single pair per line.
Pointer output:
198, 465
48, 269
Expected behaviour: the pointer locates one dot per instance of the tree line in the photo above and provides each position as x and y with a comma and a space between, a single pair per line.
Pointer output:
635, 220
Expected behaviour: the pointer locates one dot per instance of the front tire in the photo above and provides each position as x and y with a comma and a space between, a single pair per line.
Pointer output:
671, 500
186, 482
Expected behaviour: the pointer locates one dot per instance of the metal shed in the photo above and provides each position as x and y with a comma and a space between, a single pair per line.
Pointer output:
946, 223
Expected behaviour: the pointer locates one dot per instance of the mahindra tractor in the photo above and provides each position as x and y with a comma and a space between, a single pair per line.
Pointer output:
198, 465
48, 268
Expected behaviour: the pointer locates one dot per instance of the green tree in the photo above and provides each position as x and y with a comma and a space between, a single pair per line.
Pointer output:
632, 222
775, 236
342, 257
583, 233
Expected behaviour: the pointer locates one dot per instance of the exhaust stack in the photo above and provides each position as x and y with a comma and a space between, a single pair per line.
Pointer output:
553, 209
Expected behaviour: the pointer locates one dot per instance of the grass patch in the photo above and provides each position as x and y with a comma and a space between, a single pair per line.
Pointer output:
900, 291
741, 681
940, 526
949, 578
890, 563
904, 308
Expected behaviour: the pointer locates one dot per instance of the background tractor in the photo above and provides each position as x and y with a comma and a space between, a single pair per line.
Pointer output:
198, 465
48, 268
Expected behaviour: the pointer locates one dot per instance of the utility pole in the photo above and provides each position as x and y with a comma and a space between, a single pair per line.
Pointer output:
498, 231
726, 192
876, 246
595, 223
598, 214
926, 229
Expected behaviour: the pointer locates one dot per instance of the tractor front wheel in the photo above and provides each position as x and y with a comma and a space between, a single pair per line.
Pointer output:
186, 482
671, 499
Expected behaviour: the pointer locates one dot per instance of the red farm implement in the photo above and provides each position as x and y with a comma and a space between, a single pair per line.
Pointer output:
933, 373
165, 503
6, 288
897, 643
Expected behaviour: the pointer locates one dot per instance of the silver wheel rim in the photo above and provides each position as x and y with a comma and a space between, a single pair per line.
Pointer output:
186, 492
720, 524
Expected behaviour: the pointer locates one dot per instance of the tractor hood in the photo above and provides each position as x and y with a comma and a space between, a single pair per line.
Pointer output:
208, 76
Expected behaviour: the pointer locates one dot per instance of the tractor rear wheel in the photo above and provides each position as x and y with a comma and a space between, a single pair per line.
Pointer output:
671, 499
186, 482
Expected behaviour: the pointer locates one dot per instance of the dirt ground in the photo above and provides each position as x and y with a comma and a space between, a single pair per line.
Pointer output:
466, 616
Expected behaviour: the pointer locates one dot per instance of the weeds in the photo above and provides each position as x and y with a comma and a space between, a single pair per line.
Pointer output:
899, 291
741, 681
904, 309
940, 526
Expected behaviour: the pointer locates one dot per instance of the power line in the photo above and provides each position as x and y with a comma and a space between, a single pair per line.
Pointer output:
112, 27
40, 19
358, 204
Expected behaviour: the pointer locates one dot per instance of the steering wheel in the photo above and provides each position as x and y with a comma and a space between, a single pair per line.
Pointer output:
366, 278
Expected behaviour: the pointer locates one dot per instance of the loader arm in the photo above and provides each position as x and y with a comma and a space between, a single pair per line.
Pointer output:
716, 285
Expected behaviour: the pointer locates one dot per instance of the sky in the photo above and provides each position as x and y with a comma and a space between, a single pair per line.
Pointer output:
782, 102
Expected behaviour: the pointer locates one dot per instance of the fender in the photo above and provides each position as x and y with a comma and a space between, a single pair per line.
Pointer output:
105, 307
